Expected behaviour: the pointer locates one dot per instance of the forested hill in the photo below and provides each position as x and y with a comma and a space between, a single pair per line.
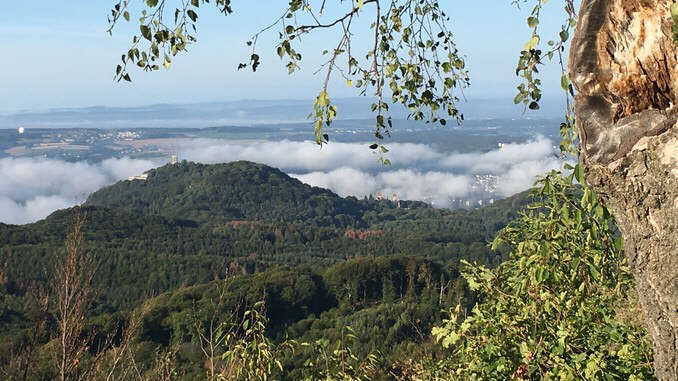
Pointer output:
191, 223
320, 260
239, 190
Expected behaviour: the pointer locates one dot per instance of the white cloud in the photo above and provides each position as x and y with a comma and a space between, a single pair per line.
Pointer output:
307, 156
499, 160
125, 167
419, 171
436, 187
521, 176
344, 181
12, 212
31, 189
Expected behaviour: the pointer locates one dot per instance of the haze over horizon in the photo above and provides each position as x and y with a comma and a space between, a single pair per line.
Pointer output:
249, 112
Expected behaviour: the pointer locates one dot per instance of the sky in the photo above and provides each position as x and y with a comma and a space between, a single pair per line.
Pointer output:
57, 54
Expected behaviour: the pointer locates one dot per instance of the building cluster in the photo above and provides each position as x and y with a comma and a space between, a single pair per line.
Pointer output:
128, 135
485, 183
379, 197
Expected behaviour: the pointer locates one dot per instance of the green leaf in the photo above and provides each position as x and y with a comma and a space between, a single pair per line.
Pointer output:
323, 100
534, 41
145, 32
192, 15
564, 35
532, 22
565, 82
579, 173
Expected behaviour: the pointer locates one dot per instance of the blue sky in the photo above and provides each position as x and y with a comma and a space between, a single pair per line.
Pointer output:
57, 54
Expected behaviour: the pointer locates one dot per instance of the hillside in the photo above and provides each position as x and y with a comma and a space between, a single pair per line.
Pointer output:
386, 301
141, 246
239, 190
350, 261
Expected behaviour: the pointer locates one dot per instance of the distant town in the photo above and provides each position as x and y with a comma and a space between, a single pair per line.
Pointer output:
85, 144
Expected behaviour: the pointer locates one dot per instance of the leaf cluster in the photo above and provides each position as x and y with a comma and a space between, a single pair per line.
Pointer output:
159, 40
550, 312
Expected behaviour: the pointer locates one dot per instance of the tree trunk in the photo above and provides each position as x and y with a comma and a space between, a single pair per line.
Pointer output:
623, 66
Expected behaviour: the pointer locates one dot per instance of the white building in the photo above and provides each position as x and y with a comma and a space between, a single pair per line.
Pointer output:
142, 177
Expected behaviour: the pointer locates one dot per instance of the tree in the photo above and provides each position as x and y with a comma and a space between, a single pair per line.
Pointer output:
72, 293
622, 65
556, 308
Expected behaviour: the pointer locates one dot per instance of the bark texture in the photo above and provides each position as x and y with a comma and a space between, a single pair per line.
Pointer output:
624, 68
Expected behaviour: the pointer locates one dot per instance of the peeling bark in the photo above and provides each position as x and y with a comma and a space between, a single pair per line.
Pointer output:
624, 67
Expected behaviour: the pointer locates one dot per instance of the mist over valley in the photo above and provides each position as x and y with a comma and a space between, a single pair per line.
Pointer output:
459, 166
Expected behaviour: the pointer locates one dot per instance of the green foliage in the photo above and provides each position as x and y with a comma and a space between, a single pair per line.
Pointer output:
412, 54
338, 362
551, 311
307, 306
157, 42
233, 191
250, 355
557, 306
161, 234
323, 113
532, 55
552, 308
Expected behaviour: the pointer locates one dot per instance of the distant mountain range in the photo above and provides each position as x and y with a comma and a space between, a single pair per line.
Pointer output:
244, 112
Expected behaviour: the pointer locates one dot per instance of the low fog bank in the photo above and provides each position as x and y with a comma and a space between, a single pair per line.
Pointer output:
31, 189
447, 179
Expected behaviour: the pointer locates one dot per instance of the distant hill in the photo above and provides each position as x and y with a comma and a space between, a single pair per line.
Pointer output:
239, 190
246, 113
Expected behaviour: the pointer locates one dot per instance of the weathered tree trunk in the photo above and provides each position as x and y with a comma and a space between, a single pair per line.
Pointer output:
623, 66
